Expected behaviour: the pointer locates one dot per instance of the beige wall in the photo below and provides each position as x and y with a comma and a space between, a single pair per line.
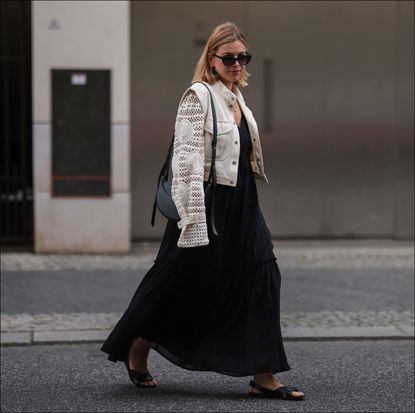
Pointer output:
96, 35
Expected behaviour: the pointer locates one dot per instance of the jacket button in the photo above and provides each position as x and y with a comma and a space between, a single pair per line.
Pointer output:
254, 139
236, 142
234, 163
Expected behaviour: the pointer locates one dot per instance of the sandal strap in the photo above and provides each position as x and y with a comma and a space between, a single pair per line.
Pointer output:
142, 376
259, 387
138, 376
286, 389
282, 390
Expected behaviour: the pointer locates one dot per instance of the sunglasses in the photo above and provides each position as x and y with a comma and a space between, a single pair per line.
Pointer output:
243, 59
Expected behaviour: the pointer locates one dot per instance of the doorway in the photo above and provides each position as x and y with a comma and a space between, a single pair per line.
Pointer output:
16, 126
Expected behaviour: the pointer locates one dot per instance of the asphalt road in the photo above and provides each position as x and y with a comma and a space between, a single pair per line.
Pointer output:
336, 376
340, 376
66, 291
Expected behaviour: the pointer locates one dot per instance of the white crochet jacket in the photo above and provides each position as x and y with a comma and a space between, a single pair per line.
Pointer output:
188, 171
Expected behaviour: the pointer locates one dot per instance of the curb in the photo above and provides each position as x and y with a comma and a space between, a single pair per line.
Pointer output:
289, 334
29, 329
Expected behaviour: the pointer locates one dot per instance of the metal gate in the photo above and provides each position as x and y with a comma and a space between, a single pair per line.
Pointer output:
16, 123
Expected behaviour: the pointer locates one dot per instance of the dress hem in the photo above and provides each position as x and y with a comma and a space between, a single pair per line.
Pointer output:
173, 359
170, 357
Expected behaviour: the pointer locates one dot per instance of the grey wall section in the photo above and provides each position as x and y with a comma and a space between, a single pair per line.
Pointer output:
404, 128
332, 91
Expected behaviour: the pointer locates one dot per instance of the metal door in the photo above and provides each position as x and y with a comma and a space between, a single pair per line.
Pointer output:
16, 136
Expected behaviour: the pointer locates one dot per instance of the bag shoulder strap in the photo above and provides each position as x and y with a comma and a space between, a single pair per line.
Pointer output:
212, 174
215, 135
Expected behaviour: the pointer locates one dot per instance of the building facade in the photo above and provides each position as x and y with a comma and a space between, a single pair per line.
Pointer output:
331, 88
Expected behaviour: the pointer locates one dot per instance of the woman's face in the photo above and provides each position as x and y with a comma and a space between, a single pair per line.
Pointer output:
232, 73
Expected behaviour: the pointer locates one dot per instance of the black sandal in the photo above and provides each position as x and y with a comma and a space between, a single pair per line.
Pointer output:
284, 392
138, 378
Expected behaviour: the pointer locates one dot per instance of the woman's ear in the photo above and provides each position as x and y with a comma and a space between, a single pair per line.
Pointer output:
211, 61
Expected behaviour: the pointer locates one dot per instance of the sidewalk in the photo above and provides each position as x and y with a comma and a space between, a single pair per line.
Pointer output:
306, 256
347, 254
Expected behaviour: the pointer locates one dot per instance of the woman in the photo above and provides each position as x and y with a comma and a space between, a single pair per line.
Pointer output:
211, 303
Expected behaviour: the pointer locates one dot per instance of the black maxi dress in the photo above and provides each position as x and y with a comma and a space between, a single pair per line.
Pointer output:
214, 307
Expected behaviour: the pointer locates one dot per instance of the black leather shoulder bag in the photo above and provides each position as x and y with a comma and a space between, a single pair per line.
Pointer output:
163, 199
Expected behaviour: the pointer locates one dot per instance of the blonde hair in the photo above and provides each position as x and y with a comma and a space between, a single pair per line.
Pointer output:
224, 33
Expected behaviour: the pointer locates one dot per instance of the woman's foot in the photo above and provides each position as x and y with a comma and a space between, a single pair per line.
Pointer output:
270, 382
137, 359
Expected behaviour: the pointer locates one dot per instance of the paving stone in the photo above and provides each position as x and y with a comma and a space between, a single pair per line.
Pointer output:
15, 338
406, 330
297, 332
358, 332
69, 336
58, 322
289, 255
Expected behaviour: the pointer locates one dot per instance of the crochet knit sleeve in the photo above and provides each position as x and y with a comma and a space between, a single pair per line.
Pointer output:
188, 171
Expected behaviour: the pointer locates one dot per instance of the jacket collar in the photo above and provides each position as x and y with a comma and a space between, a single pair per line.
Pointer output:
229, 97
